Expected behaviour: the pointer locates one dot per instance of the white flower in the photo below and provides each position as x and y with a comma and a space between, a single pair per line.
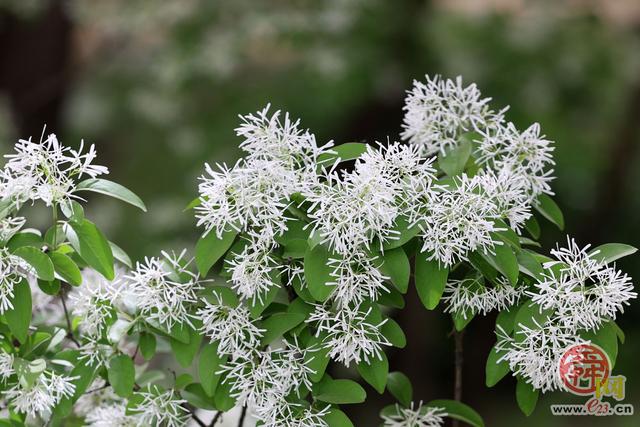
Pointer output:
160, 408
247, 195
98, 401
582, 291
534, 352
6, 365
95, 353
421, 416
13, 270
42, 396
356, 277
10, 226
254, 271
46, 171
349, 333
458, 221
470, 296
232, 327
111, 415
439, 111
295, 415
527, 153
349, 210
95, 301
265, 380
164, 289
509, 191
271, 139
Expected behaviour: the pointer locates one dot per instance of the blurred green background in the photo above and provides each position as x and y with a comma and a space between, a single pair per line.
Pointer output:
157, 86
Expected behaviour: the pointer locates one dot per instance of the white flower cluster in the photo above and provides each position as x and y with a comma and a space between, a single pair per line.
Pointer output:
41, 397
163, 289
101, 407
349, 334
231, 327
459, 221
440, 111
582, 291
10, 226
470, 296
271, 383
577, 293
95, 301
421, 416
13, 270
46, 171
254, 195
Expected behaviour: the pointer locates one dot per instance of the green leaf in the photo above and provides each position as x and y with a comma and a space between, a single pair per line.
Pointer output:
222, 397
120, 255
317, 272
257, 307
550, 210
19, 317
396, 266
400, 387
294, 240
279, 323
402, 233
454, 159
529, 265
610, 252
526, 396
38, 260
112, 189
92, 247
24, 238
533, 227
337, 418
208, 368
210, 249
459, 411
393, 332
49, 288
185, 352
82, 374
494, 370
506, 319
317, 360
122, 375
339, 392
605, 337
72, 210
430, 279
147, 343
196, 396
391, 298
344, 152
192, 204
375, 372
507, 234
66, 268
505, 261
460, 321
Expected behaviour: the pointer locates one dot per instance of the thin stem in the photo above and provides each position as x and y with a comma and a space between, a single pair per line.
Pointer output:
215, 419
459, 360
197, 419
66, 315
242, 415
55, 226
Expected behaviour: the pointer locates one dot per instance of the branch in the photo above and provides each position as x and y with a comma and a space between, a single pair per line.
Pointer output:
458, 360
242, 415
66, 315
215, 419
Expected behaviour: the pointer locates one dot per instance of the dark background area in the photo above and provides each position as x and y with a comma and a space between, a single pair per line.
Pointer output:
157, 86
